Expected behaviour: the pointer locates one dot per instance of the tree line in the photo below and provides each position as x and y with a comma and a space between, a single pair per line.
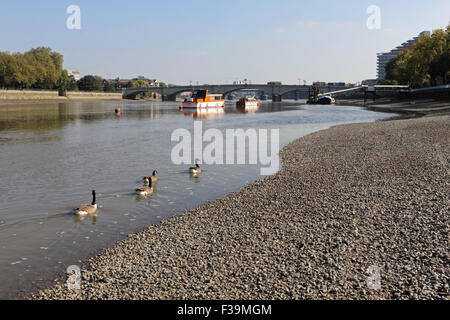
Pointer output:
427, 64
39, 68
42, 68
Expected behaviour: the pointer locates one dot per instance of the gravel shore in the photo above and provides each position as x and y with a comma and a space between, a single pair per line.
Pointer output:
419, 107
347, 198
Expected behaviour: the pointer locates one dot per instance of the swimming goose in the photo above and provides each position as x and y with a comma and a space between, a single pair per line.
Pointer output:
196, 169
85, 209
153, 177
144, 190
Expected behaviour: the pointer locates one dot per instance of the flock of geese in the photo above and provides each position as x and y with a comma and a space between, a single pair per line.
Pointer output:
145, 191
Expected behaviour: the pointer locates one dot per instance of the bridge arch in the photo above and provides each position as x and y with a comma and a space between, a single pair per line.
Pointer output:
132, 94
248, 87
169, 93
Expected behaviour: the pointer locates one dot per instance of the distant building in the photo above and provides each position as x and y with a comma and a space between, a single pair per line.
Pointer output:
319, 84
117, 82
385, 57
75, 74
150, 82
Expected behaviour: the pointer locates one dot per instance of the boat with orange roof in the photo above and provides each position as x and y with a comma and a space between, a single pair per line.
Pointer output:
202, 99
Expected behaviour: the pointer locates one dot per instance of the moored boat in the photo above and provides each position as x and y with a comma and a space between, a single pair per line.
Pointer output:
325, 100
247, 104
202, 99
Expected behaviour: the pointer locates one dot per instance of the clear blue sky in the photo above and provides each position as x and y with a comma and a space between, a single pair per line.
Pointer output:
219, 41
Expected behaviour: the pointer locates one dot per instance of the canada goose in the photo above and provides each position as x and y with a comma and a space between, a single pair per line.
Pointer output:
85, 209
196, 169
153, 177
144, 190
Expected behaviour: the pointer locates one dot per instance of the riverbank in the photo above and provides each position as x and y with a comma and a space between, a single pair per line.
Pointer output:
347, 198
419, 107
42, 96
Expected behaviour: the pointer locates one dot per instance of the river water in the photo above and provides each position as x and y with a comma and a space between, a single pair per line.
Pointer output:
53, 155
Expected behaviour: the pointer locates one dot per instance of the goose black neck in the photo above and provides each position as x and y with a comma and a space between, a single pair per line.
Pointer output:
196, 164
93, 197
154, 173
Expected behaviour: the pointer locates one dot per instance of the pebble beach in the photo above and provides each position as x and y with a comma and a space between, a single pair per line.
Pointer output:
346, 198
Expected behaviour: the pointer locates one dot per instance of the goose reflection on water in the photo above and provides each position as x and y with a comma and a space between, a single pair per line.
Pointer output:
79, 218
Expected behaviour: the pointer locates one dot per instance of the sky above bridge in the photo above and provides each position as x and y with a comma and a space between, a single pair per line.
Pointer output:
219, 41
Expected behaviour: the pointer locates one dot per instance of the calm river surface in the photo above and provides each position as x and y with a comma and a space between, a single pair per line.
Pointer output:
53, 155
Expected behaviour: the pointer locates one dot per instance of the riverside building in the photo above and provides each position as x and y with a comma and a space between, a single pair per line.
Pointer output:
383, 58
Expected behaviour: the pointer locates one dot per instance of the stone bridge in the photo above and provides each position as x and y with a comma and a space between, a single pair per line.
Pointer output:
276, 91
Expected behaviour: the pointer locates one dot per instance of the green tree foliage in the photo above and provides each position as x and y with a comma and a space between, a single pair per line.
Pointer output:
427, 64
138, 84
397, 69
63, 82
73, 84
8, 69
91, 83
109, 87
39, 68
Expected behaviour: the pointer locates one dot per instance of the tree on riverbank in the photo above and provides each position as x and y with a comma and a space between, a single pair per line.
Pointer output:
109, 87
42, 68
428, 64
38, 68
63, 83
91, 83
138, 84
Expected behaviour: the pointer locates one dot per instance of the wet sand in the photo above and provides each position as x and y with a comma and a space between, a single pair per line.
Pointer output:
347, 198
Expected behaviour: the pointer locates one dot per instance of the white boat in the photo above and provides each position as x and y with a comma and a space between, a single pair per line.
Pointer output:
326, 100
202, 99
247, 105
